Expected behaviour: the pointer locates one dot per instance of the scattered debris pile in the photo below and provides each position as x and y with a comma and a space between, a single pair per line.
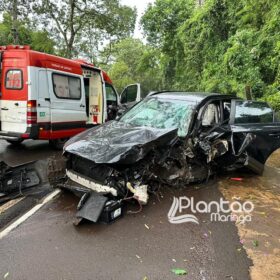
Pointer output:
16, 179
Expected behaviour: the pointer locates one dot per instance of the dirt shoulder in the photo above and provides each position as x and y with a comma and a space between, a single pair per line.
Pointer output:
260, 237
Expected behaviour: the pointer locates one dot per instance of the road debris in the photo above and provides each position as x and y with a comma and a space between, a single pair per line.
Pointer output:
237, 179
6, 275
139, 258
16, 179
255, 243
179, 271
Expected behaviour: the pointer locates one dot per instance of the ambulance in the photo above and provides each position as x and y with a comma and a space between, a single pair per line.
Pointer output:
52, 98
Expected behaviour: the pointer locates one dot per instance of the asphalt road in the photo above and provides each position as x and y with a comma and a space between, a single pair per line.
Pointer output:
48, 246
29, 150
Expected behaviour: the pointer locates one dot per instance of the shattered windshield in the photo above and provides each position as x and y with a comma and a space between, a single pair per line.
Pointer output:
159, 113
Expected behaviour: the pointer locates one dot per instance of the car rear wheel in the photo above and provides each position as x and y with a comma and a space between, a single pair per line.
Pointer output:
15, 142
58, 143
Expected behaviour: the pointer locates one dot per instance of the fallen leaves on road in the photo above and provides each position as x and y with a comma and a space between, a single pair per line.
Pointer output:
6, 275
146, 226
255, 243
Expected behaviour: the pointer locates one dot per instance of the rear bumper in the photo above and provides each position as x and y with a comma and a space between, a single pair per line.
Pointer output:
31, 133
10, 136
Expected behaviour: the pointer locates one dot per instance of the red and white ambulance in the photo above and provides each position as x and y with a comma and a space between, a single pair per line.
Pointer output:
48, 97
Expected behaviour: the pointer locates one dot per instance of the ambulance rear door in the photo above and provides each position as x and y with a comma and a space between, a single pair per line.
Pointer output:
14, 100
96, 103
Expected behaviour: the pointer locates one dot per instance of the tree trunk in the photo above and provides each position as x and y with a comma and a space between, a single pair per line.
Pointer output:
248, 92
14, 23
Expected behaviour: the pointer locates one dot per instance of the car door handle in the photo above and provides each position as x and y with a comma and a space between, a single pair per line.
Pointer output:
16, 104
83, 106
4, 109
48, 99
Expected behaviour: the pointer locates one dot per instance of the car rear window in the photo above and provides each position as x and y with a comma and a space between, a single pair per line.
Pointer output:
253, 112
13, 79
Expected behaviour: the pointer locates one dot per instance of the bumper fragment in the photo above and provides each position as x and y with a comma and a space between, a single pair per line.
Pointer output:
88, 183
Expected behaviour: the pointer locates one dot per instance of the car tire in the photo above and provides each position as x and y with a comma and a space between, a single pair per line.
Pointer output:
15, 142
58, 143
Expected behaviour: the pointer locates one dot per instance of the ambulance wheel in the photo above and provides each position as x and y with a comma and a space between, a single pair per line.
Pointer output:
58, 143
15, 142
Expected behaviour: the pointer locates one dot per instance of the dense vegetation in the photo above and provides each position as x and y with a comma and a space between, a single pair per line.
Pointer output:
228, 46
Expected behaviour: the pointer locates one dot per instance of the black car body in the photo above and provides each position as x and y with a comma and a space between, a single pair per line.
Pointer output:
177, 138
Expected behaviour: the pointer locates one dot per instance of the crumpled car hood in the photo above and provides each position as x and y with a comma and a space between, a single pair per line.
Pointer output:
117, 142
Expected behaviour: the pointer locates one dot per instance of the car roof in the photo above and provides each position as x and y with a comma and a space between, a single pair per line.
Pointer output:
192, 96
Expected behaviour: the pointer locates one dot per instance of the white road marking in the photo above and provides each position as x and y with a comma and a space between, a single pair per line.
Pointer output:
27, 215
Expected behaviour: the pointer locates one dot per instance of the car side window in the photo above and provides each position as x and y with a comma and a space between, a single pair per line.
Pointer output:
253, 112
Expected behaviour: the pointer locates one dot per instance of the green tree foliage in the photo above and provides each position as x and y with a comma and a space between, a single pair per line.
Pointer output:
129, 61
38, 40
80, 25
222, 45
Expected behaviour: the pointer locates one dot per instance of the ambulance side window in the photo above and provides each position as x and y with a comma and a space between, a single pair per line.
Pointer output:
66, 87
13, 79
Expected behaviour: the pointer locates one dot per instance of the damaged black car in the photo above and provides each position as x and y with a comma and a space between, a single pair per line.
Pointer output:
167, 139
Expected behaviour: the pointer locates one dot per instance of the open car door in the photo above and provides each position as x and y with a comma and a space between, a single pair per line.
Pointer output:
253, 125
130, 95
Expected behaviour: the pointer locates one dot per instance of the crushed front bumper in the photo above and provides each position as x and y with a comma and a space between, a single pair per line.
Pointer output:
89, 183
